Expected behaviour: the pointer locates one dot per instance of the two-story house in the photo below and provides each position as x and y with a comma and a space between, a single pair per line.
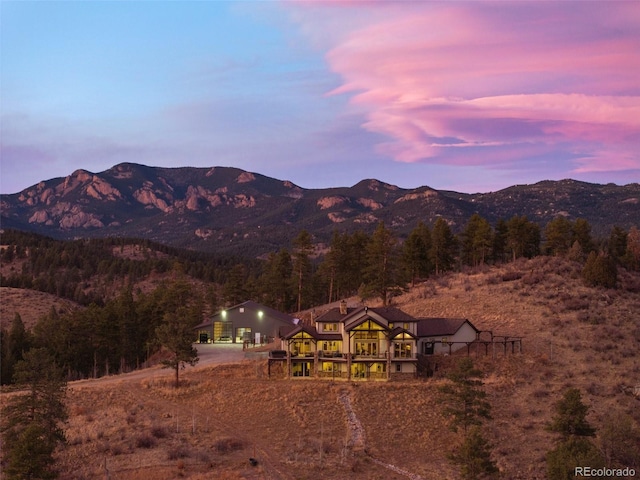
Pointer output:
355, 343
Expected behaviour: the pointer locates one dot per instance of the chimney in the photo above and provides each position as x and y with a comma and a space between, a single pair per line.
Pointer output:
343, 307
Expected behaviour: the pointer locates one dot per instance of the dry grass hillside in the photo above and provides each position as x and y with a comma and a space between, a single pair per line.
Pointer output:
30, 304
574, 336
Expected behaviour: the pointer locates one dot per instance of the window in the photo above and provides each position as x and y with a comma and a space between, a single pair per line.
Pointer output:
330, 346
402, 350
301, 369
330, 327
398, 367
367, 348
366, 335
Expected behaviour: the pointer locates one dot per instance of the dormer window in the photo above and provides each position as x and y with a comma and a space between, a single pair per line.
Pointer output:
330, 327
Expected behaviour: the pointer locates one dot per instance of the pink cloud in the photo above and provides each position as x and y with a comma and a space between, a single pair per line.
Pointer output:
437, 78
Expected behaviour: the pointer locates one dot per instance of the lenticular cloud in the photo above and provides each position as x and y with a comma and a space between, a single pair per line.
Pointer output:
443, 81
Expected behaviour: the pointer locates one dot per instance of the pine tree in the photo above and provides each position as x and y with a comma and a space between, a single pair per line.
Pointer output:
571, 416
632, 254
382, 266
581, 233
276, 284
15, 342
474, 457
617, 243
302, 250
234, 290
523, 237
464, 400
477, 240
415, 253
499, 248
443, 246
176, 336
573, 448
558, 234
600, 271
31, 422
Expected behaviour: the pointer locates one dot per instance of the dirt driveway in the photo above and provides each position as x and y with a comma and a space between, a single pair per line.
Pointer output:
209, 354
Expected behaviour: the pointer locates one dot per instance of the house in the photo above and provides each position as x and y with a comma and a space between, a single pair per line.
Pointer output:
362, 342
246, 322
444, 335
367, 343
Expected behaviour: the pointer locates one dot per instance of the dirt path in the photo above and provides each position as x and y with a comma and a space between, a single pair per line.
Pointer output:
357, 437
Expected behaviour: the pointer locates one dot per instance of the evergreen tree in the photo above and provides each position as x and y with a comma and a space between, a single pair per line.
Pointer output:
632, 254
570, 453
6, 365
302, 250
381, 272
443, 246
523, 237
573, 448
600, 271
15, 342
464, 400
500, 241
176, 336
474, 457
559, 236
234, 290
581, 233
31, 423
617, 243
415, 253
571, 416
477, 240
276, 284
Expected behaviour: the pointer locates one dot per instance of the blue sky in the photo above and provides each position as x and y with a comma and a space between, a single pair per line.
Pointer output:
461, 96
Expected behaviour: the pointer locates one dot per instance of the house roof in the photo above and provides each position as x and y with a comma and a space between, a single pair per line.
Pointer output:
434, 327
398, 330
253, 306
333, 315
390, 314
301, 328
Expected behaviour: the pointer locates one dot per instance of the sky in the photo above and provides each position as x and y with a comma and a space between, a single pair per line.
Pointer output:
465, 96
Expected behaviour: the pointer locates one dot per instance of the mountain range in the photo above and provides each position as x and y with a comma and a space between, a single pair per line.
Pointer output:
230, 210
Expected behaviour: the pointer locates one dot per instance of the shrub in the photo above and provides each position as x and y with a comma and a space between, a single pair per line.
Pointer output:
158, 431
178, 453
600, 271
227, 445
146, 441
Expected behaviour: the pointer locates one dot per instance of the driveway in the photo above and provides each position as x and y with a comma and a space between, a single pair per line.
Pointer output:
211, 353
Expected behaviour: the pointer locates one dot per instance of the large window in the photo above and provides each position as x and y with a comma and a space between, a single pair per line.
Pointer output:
367, 344
367, 348
402, 350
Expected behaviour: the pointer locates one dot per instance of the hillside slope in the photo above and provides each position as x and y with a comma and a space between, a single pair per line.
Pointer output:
574, 336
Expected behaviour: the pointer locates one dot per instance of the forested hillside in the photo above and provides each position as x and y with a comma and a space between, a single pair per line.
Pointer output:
119, 310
